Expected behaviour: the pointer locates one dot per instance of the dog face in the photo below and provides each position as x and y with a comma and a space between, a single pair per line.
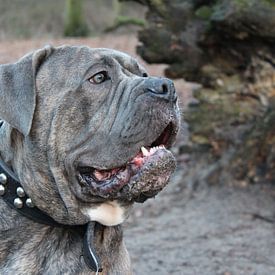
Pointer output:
93, 134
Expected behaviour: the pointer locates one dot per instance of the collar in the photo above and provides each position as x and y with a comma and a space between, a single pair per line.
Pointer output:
15, 196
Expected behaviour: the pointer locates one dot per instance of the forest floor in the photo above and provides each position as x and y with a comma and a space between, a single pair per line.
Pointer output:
188, 229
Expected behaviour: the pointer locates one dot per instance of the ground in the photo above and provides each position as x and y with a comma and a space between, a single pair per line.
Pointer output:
189, 229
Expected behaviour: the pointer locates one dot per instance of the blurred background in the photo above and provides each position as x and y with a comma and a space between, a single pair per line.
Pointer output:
56, 18
217, 215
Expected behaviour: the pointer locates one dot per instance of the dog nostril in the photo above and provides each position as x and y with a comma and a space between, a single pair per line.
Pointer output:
164, 88
160, 87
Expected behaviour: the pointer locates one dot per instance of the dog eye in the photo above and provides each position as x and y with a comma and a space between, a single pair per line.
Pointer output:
99, 77
144, 75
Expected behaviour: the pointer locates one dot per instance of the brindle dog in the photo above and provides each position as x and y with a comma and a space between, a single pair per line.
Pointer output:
87, 132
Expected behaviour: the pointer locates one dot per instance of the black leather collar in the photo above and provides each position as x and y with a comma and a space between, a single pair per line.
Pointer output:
14, 195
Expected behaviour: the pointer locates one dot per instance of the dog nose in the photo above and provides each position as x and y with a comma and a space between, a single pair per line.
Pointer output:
161, 87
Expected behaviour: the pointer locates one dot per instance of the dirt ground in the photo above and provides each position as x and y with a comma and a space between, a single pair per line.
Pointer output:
189, 229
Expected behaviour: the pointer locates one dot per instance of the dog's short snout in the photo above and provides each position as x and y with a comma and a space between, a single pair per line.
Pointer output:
161, 87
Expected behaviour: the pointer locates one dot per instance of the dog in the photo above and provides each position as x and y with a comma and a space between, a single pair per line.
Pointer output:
85, 134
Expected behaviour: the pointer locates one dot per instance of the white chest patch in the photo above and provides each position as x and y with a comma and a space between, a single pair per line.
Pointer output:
108, 213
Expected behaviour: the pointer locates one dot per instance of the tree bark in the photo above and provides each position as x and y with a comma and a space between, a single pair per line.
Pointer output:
228, 47
74, 22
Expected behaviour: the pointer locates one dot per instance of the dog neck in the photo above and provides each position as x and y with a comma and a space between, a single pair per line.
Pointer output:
107, 240
6, 148
15, 196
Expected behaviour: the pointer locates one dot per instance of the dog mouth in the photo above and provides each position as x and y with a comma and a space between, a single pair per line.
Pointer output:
139, 178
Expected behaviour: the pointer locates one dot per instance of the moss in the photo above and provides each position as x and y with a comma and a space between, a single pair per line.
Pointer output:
125, 20
242, 3
270, 2
200, 139
220, 109
202, 121
249, 3
75, 26
159, 6
204, 12
221, 9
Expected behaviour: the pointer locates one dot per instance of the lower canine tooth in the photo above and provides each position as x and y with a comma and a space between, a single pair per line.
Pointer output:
144, 151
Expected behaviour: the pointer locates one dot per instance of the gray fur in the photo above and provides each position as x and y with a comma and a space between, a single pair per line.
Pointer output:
17, 90
56, 119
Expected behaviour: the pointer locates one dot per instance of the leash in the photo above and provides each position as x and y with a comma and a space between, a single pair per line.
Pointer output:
14, 195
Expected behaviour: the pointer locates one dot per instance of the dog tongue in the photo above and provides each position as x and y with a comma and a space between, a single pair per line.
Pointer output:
89, 254
105, 174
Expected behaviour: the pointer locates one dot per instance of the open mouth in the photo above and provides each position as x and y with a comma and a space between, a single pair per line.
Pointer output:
141, 177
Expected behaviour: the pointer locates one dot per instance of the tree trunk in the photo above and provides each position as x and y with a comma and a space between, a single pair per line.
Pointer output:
228, 47
74, 22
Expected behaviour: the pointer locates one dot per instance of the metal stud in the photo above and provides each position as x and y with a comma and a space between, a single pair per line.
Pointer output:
2, 190
20, 192
29, 202
3, 178
18, 203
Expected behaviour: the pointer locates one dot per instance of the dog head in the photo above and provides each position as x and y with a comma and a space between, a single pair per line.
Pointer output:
89, 131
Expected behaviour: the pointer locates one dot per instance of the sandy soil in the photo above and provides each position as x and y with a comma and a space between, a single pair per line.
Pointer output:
189, 229
210, 230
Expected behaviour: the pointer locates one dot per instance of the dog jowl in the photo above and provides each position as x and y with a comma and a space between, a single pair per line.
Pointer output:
87, 133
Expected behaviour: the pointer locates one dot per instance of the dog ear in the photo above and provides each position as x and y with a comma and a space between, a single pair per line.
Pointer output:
17, 89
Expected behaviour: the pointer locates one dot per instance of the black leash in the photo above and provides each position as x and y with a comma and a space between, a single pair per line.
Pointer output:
14, 195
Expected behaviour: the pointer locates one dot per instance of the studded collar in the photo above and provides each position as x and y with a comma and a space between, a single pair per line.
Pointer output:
14, 195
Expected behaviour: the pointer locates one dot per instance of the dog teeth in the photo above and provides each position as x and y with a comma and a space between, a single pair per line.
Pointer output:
144, 151
152, 150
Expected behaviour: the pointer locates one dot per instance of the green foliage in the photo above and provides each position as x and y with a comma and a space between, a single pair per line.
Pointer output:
74, 23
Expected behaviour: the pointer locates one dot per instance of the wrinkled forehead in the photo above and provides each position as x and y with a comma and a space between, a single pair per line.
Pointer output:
129, 63
86, 57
